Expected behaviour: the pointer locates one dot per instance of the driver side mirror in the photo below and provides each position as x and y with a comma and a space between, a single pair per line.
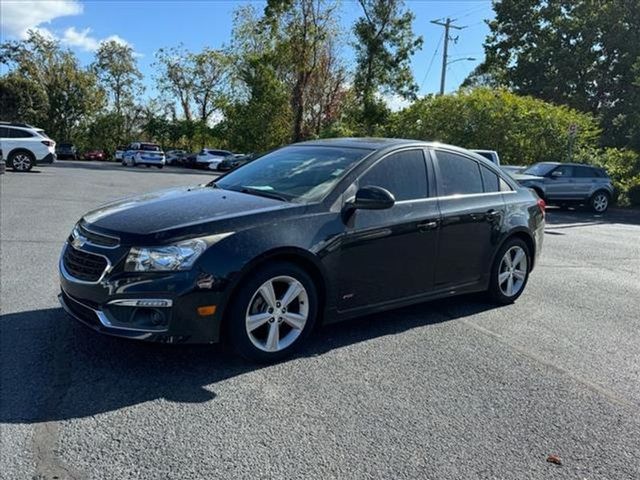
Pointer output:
372, 198
556, 174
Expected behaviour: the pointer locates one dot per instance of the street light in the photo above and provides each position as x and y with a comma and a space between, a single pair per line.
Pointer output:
444, 70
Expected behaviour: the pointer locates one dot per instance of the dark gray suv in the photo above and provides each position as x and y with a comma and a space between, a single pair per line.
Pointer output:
569, 183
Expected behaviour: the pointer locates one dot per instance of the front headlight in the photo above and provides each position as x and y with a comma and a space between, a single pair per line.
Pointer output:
180, 256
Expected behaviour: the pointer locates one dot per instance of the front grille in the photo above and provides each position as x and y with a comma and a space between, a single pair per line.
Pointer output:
98, 239
83, 265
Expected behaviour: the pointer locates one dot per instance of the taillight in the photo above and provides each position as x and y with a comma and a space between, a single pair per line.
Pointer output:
48, 143
542, 206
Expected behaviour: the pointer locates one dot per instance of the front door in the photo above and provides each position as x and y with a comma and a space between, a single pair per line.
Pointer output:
389, 254
559, 184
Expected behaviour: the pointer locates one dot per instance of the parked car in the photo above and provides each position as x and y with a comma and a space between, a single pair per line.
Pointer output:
319, 231
190, 160
25, 146
490, 155
94, 155
141, 153
235, 161
119, 153
66, 151
569, 183
511, 169
209, 158
175, 157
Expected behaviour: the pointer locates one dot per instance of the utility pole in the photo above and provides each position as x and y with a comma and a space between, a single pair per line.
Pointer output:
447, 25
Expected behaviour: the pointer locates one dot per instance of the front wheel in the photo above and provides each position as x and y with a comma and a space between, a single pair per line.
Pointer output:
272, 313
510, 272
599, 202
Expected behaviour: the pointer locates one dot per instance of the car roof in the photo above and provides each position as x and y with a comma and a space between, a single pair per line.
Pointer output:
570, 164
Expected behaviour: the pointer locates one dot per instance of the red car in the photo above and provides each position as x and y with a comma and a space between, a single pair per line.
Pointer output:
95, 155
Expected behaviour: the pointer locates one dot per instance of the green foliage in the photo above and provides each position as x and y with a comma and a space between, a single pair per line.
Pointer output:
22, 99
523, 130
579, 53
384, 45
623, 166
72, 93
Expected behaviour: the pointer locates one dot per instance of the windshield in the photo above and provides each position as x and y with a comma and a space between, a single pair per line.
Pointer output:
540, 169
296, 173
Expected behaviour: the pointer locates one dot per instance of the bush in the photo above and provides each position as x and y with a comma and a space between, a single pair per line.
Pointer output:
623, 166
634, 194
523, 130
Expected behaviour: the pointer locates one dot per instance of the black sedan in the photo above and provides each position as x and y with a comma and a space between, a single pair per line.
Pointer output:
314, 232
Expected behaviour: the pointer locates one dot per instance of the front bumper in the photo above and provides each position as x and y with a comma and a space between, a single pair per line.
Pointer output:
151, 307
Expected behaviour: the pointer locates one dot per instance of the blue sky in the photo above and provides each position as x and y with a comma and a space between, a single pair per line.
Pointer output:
150, 25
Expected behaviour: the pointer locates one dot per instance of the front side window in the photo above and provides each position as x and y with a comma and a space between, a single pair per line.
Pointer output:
404, 174
458, 175
296, 173
563, 171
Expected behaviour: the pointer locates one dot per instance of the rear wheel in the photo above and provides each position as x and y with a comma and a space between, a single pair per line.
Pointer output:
272, 313
510, 271
599, 202
22, 161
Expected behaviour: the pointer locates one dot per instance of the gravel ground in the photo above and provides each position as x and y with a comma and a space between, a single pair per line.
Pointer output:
445, 390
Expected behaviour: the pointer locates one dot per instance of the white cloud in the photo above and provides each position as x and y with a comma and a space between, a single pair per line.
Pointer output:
18, 17
395, 102
84, 40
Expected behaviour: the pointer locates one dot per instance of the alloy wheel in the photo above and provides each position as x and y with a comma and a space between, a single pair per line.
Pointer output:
600, 202
277, 314
22, 162
513, 271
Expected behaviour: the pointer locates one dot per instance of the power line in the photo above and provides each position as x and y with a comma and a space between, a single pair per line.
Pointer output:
426, 75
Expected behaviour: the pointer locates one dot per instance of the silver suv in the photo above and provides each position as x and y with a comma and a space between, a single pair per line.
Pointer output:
569, 183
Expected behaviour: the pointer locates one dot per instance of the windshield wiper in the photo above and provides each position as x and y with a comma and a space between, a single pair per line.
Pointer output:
262, 193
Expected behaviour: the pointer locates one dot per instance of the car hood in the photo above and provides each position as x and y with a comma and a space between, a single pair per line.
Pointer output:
521, 177
180, 212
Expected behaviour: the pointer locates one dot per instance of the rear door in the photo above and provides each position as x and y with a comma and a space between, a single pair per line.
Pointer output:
390, 254
472, 210
585, 179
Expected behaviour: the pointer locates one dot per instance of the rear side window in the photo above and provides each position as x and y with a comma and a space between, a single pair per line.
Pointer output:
404, 174
19, 133
585, 172
458, 175
490, 180
4, 132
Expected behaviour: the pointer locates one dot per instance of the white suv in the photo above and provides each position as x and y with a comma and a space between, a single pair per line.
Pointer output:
25, 146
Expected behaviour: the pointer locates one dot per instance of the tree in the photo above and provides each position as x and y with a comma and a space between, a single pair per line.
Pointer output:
197, 80
384, 45
522, 129
578, 53
303, 29
72, 93
22, 99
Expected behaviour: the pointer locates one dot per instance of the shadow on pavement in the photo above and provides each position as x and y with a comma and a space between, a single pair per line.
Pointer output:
97, 165
558, 219
54, 368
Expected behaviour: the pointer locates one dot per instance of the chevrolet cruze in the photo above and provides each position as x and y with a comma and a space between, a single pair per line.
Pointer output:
314, 232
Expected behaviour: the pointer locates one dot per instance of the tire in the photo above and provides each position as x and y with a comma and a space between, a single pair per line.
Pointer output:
599, 202
159, 166
21, 161
252, 319
124, 163
509, 276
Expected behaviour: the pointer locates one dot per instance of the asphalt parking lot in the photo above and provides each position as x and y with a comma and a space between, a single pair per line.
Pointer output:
454, 389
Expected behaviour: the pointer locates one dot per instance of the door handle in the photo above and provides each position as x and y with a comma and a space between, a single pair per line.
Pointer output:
492, 215
430, 225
